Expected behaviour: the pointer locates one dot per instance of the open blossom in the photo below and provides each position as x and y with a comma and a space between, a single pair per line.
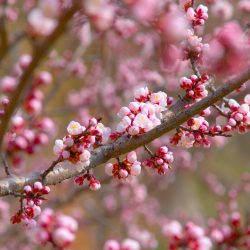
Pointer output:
183, 139
142, 121
75, 128
76, 145
197, 122
159, 98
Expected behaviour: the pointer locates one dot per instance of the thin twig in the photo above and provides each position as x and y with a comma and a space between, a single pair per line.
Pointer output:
76, 193
195, 67
220, 110
205, 132
148, 151
5, 164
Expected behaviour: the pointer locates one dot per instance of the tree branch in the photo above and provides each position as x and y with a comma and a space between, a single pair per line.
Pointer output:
37, 57
3, 31
173, 118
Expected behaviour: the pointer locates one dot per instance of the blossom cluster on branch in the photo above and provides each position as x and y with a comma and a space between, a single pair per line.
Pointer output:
140, 83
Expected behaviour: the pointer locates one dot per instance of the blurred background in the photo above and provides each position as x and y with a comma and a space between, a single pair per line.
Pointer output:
95, 66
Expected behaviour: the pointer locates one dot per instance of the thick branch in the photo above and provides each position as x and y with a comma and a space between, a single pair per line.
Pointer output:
176, 116
37, 57
3, 31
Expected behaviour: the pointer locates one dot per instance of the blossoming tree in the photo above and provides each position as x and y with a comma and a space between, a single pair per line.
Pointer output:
144, 86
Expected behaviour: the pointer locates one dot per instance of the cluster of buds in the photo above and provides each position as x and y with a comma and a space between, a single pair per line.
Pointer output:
160, 162
232, 233
27, 138
193, 46
198, 16
32, 104
127, 244
31, 200
238, 116
194, 86
9, 83
57, 229
123, 169
90, 180
189, 237
143, 114
33, 101
76, 145
66, 63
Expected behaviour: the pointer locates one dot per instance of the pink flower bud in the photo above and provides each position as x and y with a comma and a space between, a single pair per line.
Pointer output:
123, 112
238, 117
93, 122
24, 61
38, 185
46, 189
27, 189
43, 78
134, 130
111, 245
129, 244
123, 173
232, 122
63, 237
36, 210
134, 106
8, 84
65, 154
136, 169
109, 169
244, 108
131, 157
94, 185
